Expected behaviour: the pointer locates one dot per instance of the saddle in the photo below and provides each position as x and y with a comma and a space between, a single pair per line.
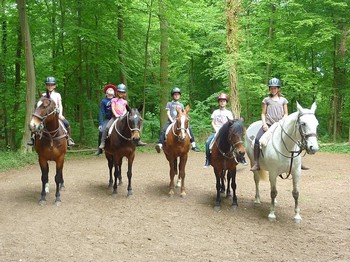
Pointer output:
265, 138
213, 141
112, 126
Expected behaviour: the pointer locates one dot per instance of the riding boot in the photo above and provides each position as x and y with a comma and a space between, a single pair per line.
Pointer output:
31, 141
103, 139
256, 165
70, 141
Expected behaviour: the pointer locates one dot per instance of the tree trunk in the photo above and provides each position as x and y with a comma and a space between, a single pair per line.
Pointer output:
164, 62
270, 40
146, 58
80, 78
232, 11
29, 71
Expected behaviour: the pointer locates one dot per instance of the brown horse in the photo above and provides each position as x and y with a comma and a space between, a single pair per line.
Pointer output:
176, 146
50, 144
122, 142
227, 150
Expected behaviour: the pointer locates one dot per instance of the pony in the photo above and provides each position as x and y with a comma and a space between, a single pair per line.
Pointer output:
50, 143
227, 150
177, 145
281, 148
124, 135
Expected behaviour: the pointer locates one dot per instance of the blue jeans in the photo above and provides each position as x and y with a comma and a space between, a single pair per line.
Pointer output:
207, 144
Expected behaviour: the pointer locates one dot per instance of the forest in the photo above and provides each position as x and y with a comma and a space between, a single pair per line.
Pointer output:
204, 47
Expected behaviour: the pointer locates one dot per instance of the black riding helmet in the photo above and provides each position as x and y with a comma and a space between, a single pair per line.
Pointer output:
175, 90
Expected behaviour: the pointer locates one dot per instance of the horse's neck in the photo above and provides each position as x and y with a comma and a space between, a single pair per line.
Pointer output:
222, 139
122, 125
52, 125
287, 133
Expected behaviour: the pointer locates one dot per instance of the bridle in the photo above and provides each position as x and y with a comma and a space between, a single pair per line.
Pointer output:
302, 144
130, 128
42, 130
232, 153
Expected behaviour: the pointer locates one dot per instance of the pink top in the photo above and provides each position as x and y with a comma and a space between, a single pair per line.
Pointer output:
119, 106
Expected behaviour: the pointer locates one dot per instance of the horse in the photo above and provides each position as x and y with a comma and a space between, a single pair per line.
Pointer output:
281, 148
50, 143
125, 134
227, 150
177, 145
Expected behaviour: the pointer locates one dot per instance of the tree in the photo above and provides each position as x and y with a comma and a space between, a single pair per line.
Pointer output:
29, 71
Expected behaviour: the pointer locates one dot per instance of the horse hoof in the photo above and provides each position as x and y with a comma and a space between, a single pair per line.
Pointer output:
42, 203
183, 194
62, 188
171, 193
120, 183
228, 195
130, 193
114, 194
257, 204
217, 208
272, 218
58, 203
234, 207
297, 219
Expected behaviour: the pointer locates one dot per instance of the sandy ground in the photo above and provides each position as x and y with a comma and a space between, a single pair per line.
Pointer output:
91, 225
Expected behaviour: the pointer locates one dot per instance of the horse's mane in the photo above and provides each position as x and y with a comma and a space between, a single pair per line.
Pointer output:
237, 128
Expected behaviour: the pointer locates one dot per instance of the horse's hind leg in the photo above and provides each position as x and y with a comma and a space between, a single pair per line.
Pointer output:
217, 205
110, 168
182, 174
228, 190
117, 173
130, 161
257, 192
272, 216
172, 175
44, 180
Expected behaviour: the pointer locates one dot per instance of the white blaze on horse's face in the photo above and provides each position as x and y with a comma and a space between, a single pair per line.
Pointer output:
182, 137
308, 128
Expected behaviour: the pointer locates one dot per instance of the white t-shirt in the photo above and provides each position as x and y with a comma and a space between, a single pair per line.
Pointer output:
55, 97
220, 117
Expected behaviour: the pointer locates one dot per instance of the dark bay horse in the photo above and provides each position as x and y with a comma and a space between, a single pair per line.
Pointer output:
122, 143
50, 143
177, 145
228, 149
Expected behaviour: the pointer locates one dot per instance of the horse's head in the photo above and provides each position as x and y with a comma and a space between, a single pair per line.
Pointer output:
134, 122
182, 123
44, 111
235, 137
307, 124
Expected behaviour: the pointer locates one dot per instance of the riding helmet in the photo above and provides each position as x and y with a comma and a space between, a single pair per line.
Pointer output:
50, 80
274, 82
109, 86
175, 90
223, 96
121, 88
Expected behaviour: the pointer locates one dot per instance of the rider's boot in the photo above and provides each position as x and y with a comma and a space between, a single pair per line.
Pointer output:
103, 139
70, 141
256, 165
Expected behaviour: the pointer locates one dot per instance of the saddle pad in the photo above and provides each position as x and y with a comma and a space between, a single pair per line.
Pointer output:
213, 141
265, 138
112, 126
64, 128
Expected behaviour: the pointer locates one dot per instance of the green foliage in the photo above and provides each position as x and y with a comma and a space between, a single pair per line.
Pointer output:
10, 160
336, 148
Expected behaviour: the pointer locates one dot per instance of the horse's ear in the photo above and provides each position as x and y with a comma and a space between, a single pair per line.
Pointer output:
299, 107
188, 108
140, 108
313, 107
47, 94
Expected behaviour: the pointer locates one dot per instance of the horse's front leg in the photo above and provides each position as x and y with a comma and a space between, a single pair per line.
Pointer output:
130, 161
182, 173
273, 192
296, 176
228, 190
58, 180
178, 182
233, 186
117, 173
218, 176
172, 175
44, 166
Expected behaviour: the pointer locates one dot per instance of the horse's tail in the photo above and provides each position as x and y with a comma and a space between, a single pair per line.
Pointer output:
263, 174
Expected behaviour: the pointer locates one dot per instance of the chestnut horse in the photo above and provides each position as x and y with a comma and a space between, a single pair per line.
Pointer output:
50, 143
227, 151
177, 145
121, 143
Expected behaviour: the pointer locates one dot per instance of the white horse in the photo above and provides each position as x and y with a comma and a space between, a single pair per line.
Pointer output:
281, 148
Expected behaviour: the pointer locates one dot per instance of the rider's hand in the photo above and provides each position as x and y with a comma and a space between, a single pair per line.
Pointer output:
265, 127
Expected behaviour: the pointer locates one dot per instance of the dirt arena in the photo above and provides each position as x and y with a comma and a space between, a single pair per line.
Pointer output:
91, 225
